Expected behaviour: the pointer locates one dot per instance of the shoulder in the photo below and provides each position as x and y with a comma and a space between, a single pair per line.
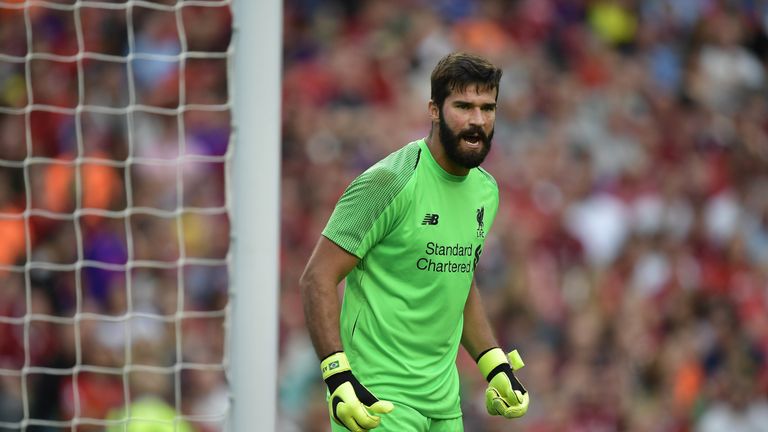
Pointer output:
373, 201
486, 178
394, 171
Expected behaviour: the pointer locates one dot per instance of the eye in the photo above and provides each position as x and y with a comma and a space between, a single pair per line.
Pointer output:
489, 108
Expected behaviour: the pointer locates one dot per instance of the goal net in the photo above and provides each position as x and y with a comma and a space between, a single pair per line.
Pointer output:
115, 124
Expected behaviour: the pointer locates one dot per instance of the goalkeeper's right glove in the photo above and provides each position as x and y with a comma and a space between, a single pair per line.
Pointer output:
350, 404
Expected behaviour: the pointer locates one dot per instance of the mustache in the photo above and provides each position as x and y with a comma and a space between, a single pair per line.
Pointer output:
474, 131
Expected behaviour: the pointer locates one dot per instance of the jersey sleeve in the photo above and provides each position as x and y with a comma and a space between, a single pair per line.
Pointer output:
493, 209
367, 211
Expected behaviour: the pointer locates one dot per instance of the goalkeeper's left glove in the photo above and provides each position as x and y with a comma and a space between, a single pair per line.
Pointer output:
505, 395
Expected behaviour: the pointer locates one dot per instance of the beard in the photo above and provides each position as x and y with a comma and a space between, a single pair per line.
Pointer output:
465, 158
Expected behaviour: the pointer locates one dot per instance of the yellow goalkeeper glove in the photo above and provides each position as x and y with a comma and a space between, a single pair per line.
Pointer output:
505, 395
350, 404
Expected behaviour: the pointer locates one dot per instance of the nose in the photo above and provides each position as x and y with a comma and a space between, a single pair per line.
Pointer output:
477, 117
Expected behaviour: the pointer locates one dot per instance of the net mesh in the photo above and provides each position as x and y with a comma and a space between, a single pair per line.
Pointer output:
114, 214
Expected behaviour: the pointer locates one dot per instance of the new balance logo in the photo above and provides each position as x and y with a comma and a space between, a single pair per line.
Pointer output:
430, 219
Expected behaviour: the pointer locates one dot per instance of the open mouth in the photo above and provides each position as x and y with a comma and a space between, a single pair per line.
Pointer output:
473, 140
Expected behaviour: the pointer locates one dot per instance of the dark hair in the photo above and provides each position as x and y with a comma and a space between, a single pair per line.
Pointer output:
456, 71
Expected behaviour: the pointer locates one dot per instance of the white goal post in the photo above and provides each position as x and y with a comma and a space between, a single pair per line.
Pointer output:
257, 97
139, 214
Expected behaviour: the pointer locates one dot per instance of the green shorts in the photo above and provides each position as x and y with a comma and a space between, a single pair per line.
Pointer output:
406, 419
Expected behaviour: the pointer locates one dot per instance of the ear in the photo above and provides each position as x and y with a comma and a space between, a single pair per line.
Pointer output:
434, 111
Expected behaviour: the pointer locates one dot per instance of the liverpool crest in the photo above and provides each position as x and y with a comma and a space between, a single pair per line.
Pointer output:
481, 222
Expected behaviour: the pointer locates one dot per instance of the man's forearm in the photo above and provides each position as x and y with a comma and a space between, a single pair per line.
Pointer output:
321, 312
327, 266
477, 335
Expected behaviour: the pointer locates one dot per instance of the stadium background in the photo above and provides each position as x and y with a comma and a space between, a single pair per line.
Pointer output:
629, 259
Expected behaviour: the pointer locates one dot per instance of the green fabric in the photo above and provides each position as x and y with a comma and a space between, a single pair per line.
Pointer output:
406, 419
418, 232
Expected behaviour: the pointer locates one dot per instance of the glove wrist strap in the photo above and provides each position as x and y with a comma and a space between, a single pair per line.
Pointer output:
334, 364
515, 360
493, 361
490, 360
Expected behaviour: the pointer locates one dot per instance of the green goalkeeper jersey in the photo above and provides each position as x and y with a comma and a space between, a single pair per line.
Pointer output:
418, 232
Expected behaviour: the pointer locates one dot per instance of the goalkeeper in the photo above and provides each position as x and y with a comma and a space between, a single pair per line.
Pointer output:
407, 235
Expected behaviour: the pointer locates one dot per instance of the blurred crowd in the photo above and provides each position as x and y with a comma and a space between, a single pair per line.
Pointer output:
114, 230
629, 259
628, 262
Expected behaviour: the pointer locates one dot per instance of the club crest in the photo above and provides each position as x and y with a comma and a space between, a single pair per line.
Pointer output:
481, 222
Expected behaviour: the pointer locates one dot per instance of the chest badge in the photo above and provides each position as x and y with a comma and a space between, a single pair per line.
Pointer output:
481, 222
430, 219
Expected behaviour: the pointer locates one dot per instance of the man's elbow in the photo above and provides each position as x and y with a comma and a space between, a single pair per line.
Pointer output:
306, 281
311, 281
